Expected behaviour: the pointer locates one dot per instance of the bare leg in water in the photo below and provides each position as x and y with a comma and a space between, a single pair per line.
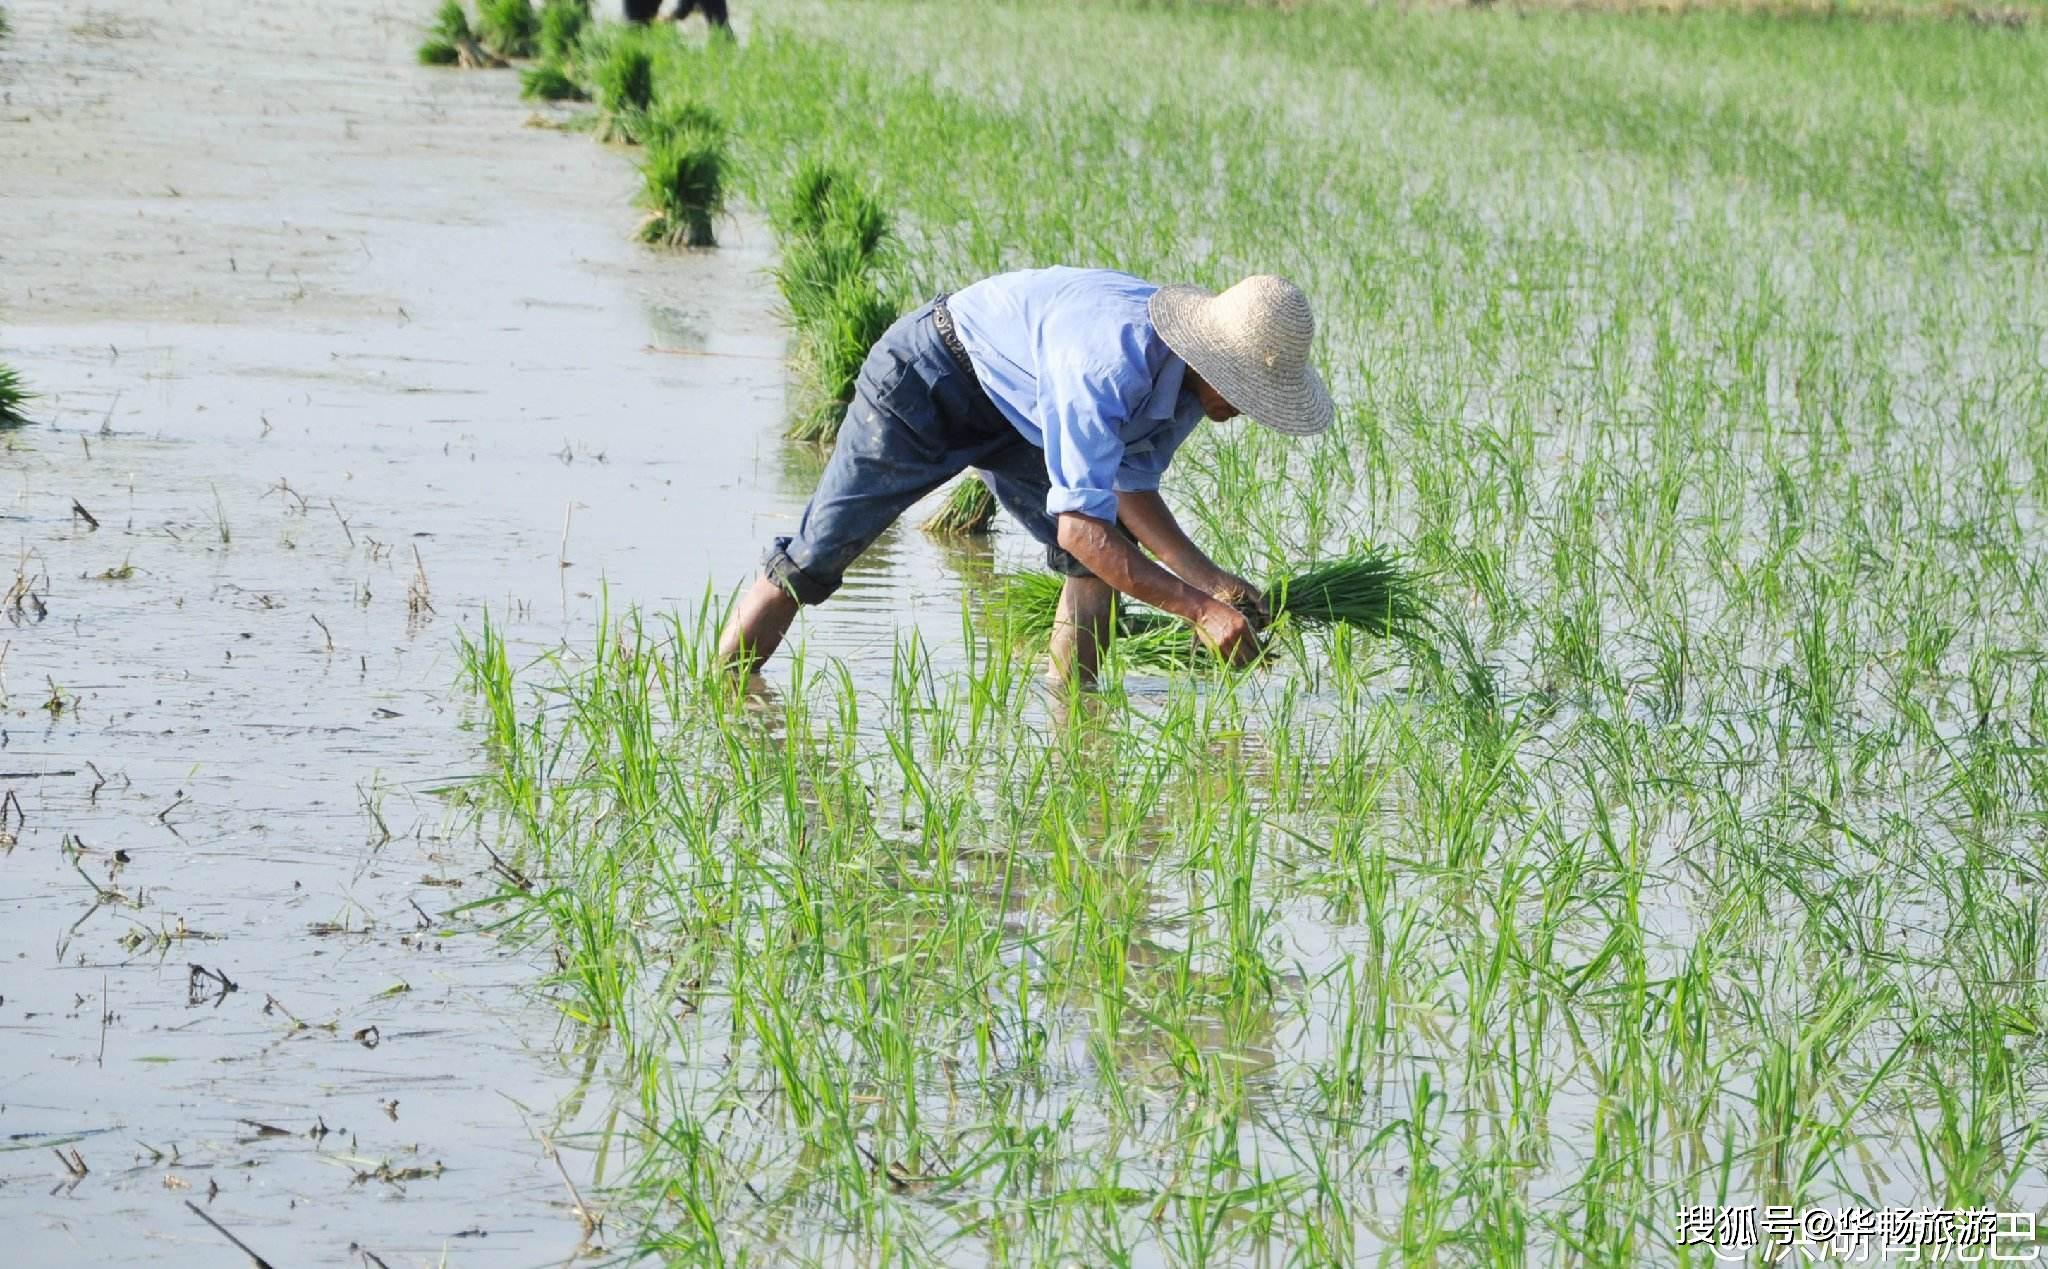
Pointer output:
756, 627
1080, 631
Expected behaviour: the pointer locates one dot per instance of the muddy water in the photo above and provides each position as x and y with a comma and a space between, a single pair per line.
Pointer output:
336, 354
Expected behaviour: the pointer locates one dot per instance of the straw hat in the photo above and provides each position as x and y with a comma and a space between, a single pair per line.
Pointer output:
1251, 343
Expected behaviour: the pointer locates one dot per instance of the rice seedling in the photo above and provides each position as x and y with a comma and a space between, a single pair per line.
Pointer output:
1365, 590
624, 77
835, 239
447, 37
828, 202
561, 24
14, 397
682, 173
508, 28
549, 82
841, 325
969, 508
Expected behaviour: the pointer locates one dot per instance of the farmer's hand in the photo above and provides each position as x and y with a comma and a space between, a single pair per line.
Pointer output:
1228, 633
1240, 594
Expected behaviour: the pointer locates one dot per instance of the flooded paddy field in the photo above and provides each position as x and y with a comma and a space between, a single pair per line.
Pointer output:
333, 354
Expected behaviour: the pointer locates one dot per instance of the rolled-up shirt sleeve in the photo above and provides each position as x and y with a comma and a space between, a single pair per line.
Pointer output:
1082, 406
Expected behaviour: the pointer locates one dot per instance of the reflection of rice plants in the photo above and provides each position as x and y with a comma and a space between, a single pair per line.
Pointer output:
625, 89
682, 174
13, 397
509, 28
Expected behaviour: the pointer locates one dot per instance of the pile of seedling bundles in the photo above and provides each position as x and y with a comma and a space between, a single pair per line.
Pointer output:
1365, 590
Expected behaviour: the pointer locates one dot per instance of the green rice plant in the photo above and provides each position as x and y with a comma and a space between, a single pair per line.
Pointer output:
625, 89
451, 21
445, 38
969, 508
837, 329
824, 200
561, 25
681, 114
14, 397
1025, 607
835, 239
1365, 590
508, 28
682, 175
549, 82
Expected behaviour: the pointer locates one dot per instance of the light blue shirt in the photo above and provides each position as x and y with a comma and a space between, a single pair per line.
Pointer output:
1071, 359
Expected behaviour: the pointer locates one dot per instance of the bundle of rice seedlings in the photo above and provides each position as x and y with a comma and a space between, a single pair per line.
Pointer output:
451, 25
549, 82
823, 199
835, 240
1367, 590
842, 325
561, 25
810, 273
625, 89
13, 397
675, 115
509, 28
683, 175
450, 42
968, 509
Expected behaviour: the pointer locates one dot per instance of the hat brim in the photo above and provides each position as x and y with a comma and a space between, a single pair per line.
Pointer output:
1295, 403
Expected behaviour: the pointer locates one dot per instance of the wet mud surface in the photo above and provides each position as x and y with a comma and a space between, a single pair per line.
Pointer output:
335, 355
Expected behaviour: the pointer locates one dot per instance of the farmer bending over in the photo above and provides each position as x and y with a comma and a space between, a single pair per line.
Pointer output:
1069, 391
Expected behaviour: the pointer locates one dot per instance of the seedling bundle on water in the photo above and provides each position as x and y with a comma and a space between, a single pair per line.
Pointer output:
561, 24
451, 42
13, 396
683, 174
509, 28
625, 89
1365, 590
835, 238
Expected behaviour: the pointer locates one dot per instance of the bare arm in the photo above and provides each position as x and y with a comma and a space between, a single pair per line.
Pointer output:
1113, 559
1156, 529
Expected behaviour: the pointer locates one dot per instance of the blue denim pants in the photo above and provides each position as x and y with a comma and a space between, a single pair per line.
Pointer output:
917, 419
